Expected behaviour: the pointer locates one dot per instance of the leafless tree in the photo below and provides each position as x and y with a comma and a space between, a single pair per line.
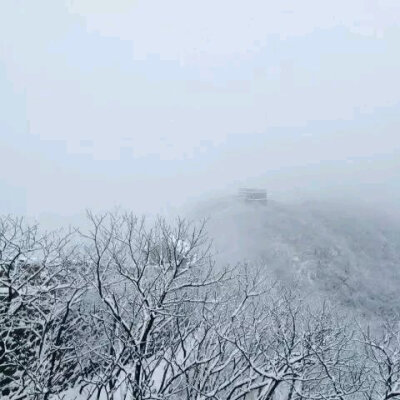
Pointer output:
39, 293
147, 282
383, 353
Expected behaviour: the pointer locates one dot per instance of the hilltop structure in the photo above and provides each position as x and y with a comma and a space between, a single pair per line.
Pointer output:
252, 195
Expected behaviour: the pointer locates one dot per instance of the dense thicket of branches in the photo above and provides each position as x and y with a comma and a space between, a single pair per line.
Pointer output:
132, 311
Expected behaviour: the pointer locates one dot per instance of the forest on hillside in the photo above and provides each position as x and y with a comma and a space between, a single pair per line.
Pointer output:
128, 309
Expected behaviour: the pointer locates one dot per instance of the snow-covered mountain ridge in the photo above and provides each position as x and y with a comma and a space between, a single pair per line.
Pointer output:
344, 252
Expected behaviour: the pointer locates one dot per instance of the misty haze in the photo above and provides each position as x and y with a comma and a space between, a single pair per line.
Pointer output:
199, 200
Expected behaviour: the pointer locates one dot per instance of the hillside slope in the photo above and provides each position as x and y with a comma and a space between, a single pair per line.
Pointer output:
342, 252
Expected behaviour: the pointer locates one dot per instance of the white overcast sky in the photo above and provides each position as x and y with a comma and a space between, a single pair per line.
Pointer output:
145, 103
